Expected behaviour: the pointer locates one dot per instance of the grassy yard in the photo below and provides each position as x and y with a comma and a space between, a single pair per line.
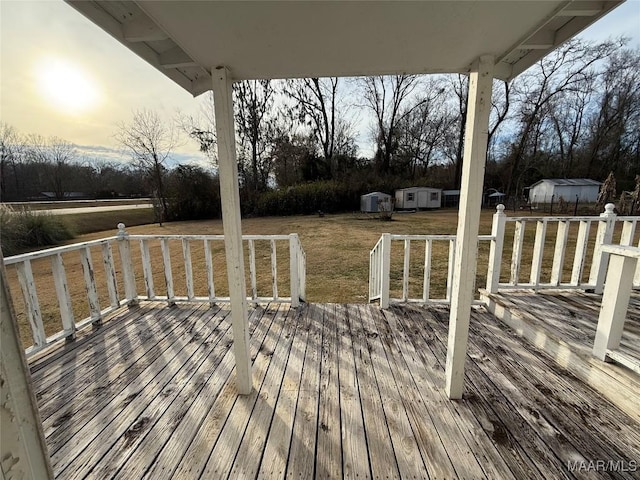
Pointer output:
337, 251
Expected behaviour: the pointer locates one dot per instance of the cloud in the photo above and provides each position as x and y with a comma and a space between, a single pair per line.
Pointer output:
101, 153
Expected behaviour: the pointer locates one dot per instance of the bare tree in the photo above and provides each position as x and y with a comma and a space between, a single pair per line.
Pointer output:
56, 155
11, 149
423, 128
255, 126
460, 87
385, 97
150, 142
566, 69
614, 141
317, 107
202, 128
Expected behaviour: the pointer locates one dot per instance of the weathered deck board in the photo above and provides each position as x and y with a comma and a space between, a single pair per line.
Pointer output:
563, 324
339, 391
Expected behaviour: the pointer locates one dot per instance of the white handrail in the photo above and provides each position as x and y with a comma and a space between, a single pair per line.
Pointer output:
144, 267
586, 243
380, 268
577, 234
615, 302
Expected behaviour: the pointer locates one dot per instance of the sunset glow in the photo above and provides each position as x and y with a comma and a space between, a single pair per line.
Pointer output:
66, 87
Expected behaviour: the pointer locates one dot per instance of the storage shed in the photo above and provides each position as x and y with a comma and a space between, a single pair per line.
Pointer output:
418, 197
450, 198
548, 189
376, 202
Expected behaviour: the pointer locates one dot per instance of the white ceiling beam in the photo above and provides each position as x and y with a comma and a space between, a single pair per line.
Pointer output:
541, 40
503, 71
142, 29
201, 84
176, 58
581, 9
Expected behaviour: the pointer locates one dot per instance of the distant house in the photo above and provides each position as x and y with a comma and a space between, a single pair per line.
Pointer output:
44, 196
418, 197
551, 189
376, 202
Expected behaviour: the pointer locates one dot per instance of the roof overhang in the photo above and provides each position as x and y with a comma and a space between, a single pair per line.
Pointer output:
268, 39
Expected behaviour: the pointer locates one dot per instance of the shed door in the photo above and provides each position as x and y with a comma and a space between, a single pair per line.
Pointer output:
374, 203
423, 199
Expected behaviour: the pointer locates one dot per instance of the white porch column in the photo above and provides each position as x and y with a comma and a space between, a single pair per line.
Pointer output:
230, 196
22, 447
464, 273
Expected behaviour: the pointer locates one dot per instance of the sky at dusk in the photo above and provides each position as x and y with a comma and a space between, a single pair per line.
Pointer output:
60, 75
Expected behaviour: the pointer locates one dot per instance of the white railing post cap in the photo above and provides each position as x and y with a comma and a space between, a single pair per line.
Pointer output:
609, 209
121, 230
500, 208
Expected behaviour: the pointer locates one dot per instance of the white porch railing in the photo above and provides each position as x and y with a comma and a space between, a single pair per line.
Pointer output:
519, 252
576, 243
623, 266
153, 267
380, 268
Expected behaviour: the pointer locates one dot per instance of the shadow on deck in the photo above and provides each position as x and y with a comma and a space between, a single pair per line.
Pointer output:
339, 391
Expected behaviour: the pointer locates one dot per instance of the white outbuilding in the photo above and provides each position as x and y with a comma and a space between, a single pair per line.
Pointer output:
570, 189
418, 197
375, 202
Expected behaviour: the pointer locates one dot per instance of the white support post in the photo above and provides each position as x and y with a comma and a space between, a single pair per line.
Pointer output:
208, 260
23, 450
516, 254
450, 268
31, 302
274, 270
426, 280
559, 251
302, 270
405, 270
168, 272
230, 196
90, 285
147, 270
188, 268
252, 270
124, 246
615, 301
495, 253
475, 153
580, 254
386, 270
603, 237
293, 271
110, 275
64, 298
538, 252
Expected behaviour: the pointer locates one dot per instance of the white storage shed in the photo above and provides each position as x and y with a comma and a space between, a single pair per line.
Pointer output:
584, 189
418, 197
376, 202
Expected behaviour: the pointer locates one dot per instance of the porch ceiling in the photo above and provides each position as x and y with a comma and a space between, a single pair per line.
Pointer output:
269, 39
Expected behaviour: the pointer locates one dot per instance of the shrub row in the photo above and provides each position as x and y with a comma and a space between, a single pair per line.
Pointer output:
23, 230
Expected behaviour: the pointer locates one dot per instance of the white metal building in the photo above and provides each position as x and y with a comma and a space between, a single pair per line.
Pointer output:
418, 197
551, 189
376, 202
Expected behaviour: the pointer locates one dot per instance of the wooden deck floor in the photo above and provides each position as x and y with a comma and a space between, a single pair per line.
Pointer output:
340, 391
563, 324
